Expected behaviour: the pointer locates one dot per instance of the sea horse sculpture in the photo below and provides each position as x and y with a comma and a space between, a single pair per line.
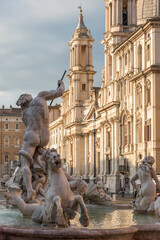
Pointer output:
60, 204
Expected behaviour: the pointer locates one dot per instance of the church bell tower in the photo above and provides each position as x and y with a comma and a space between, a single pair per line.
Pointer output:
81, 67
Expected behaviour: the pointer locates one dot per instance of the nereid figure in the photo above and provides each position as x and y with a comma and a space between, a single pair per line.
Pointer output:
147, 194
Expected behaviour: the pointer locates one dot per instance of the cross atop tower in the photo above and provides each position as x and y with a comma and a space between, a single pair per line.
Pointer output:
80, 7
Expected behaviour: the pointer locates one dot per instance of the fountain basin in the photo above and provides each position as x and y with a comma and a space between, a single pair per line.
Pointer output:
105, 223
132, 233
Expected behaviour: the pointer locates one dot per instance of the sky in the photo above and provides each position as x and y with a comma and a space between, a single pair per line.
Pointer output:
34, 37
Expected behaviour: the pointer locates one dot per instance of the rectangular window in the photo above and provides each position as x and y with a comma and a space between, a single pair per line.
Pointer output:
125, 59
129, 132
83, 55
17, 126
148, 132
148, 96
16, 157
6, 126
83, 87
6, 142
6, 157
108, 139
148, 53
139, 126
125, 88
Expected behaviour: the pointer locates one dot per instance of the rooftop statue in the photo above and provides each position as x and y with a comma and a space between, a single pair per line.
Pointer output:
146, 195
36, 119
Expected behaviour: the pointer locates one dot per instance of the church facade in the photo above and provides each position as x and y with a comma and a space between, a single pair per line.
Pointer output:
107, 131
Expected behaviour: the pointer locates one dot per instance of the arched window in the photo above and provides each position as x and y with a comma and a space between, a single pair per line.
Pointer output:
148, 92
6, 157
6, 141
139, 95
139, 58
6, 126
125, 130
125, 13
129, 60
17, 142
83, 55
17, 126
110, 66
139, 131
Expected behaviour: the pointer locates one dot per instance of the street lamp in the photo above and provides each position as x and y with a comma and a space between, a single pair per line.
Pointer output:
94, 134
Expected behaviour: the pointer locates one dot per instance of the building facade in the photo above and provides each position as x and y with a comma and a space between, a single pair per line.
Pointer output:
12, 130
107, 131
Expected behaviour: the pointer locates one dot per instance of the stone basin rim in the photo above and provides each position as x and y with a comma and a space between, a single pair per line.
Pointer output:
79, 233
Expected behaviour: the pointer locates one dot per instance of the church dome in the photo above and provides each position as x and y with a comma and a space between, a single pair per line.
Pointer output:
147, 9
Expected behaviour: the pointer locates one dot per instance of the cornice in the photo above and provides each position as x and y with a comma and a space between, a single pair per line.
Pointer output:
108, 106
152, 68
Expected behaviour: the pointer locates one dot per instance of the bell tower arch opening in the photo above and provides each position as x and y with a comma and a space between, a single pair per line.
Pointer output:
125, 13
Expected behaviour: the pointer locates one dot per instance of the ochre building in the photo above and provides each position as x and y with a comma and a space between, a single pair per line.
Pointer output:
12, 130
107, 131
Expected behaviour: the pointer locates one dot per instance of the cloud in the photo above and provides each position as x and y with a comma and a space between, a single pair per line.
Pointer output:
34, 36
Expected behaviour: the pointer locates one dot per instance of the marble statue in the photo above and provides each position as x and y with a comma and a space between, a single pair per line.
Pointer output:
146, 195
36, 119
96, 194
60, 202
5, 179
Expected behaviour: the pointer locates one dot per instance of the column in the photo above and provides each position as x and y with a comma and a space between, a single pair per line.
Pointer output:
101, 149
110, 16
91, 151
113, 12
106, 67
113, 67
74, 56
77, 89
78, 55
119, 12
87, 56
130, 9
107, 19
90, 56
86, 154
116, 97
77, 155
61, 142
134, 12
70, 58
105, 145
112, 150
116, 145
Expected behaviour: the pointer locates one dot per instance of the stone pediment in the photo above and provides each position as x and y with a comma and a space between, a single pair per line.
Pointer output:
90, 114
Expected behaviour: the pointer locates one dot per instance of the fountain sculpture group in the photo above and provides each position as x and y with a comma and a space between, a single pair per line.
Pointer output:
42, 189
46, 193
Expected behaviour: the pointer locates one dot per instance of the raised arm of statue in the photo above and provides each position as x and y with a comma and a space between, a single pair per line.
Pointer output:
133, 182
49, 95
